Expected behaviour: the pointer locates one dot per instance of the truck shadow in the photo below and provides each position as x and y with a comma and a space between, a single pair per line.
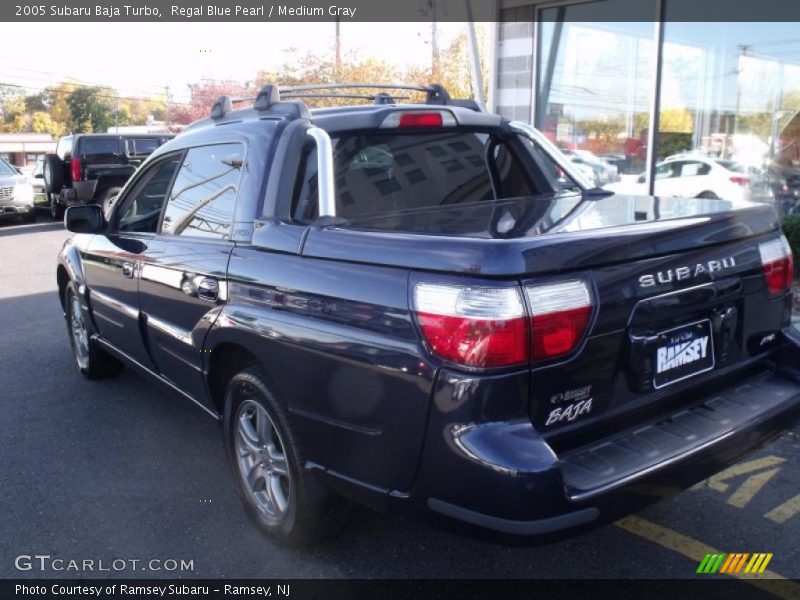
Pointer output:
10, 227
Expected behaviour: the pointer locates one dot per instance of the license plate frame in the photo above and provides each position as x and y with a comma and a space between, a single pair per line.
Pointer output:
686, 335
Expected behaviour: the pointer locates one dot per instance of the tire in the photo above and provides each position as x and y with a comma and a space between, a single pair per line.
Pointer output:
56, 208
53, 173
30, 217
105, 196
707, 195
260, 441
93, 362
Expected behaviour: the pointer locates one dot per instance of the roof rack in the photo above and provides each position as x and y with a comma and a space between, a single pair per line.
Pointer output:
380, 98
270, 95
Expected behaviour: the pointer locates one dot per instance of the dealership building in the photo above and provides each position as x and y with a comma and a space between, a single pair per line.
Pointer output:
23, 149
727, 91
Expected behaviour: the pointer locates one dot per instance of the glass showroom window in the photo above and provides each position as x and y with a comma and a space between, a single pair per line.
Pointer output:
729, 125
595, 83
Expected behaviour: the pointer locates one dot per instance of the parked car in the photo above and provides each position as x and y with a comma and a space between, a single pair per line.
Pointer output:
405, 306
697, 176
16, 194
603, 172
92, 167
36, 179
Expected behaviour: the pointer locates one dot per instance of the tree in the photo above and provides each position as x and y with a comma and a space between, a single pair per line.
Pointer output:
91, 109
42, 122
15, 115
676, 120
455, 73
203, 96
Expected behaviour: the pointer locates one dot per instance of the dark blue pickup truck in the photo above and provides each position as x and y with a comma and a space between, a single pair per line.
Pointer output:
423, 308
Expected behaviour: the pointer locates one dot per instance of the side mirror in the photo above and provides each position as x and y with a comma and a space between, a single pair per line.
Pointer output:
87, 218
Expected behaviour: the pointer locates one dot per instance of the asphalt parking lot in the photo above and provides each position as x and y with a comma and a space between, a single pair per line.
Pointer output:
125, 469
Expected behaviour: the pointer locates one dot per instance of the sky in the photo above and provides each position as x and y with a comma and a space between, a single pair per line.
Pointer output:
140, 59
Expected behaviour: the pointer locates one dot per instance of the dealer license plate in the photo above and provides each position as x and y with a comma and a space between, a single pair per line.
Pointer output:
683, 352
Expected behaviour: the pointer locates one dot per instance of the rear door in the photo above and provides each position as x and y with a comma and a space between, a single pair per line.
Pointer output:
183, 278
113, 260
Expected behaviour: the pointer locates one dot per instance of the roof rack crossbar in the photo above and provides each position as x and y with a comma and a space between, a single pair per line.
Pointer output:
270, 94
338, 86
347, 96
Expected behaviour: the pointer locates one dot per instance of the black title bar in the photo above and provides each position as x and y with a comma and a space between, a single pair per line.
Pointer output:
709, 588
389, 10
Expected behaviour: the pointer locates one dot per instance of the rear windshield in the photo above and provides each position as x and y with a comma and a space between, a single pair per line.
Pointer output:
732, 166
379, 172
89, 146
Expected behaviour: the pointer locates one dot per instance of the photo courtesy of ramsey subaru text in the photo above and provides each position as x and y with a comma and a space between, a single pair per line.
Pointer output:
428, 309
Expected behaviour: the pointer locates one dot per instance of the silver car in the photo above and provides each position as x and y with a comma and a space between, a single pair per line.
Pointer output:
16, 194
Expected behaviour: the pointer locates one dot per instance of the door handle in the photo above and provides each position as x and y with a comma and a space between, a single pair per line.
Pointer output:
208, 289
128, 270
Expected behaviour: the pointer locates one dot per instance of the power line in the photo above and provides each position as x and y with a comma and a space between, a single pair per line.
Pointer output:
68, 77
108, 96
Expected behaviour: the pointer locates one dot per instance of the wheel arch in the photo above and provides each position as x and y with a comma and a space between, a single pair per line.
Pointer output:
62, 279
225, 360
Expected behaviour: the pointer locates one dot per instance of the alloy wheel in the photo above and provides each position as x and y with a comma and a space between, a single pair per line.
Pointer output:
80, 334
262, 461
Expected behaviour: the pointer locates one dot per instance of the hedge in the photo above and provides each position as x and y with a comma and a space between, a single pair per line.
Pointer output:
791, 227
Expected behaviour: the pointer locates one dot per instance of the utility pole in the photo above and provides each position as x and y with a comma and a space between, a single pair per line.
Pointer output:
166, 107
338, 63
434, 43
475, 60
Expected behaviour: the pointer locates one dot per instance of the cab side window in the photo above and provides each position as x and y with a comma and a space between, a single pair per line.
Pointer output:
203, 197
141, 208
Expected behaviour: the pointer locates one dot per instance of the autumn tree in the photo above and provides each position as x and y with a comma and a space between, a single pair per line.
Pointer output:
203, 96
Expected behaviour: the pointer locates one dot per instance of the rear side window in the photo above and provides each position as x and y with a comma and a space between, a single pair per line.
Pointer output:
694, 168
64, 147
379, 173
90, 146
204, 193
142, 146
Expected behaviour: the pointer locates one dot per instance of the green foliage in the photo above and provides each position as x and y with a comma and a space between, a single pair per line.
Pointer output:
791, 227
90, 109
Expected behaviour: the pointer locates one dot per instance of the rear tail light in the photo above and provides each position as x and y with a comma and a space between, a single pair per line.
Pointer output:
412, 119
740, 180
489, 326
778, 265
560, 313
473, 326
75, 166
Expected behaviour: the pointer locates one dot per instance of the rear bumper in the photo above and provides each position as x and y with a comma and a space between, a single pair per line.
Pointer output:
81, 192
504, 477
14, 208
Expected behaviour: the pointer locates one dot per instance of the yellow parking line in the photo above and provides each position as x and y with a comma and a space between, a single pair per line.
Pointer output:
696, 551
751, 486
785, 511
717, 482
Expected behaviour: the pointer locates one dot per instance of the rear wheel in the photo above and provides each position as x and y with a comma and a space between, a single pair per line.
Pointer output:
93, 362
286, 502
56, 208
106, 198
707, 195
